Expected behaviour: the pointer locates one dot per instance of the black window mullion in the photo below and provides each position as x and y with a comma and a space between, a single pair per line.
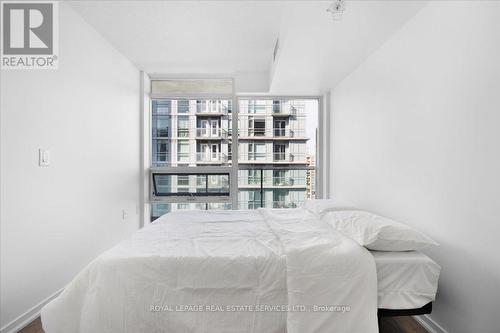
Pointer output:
261, 188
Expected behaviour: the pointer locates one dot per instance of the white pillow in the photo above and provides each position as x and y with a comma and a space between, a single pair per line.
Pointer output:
287, 213
376, 232
321, 206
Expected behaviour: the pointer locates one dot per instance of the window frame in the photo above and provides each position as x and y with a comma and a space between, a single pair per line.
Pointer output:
190, 194
231, 170
235, 98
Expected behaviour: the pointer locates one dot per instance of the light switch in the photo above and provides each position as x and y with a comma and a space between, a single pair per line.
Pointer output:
43, 157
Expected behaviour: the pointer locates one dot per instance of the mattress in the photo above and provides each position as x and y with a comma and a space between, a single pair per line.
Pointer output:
406, 280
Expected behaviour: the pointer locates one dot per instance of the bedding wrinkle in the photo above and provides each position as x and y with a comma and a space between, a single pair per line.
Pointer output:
157, 280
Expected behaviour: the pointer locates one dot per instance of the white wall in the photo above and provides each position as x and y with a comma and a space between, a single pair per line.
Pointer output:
417, 138
56, 219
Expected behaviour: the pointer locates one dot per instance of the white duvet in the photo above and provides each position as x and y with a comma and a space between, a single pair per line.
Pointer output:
224, 271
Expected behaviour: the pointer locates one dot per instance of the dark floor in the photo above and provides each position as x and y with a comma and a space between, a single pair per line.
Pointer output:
387, 325
34, 327
400, 325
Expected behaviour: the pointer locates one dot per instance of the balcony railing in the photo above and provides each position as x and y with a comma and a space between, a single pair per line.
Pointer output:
254, 132
201, 157
276, 110
286, 204
211, 157
210, 107
215, 157
211, 133
254, 204
273, 157
273, 133
288, 181
251, 181
183, 132
287, 157
284, 111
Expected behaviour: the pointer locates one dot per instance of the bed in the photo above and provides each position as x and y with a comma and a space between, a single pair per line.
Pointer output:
236, 271
407, 283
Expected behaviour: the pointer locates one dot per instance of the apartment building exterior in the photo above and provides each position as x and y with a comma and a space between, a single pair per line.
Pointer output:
272, 153
191, 132
274, 167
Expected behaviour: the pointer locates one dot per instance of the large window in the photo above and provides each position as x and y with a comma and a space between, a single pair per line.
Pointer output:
198, 162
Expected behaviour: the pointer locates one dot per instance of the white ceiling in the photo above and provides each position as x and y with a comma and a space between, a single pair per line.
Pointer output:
188, 36
237, 37
316, 52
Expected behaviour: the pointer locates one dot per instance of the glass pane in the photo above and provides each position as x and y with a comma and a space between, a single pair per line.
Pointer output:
183, 106
275, 188
276, 155
192, 132
159, 209
277, 152
190, 184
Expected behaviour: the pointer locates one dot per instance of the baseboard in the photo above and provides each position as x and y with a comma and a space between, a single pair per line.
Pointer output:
430, 325
27, 317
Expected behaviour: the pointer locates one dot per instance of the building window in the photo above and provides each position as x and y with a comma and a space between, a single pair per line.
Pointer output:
183, 151
259, 127
256, 151
183, 106
183, 126
279, 150
161, 151
279, 128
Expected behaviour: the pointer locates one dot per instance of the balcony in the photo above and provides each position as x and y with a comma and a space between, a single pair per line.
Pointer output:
281, 111
166, 159
211, 133
249, 181
211, 158
183, 132
286, 204
288, 181
271, 182
288, 157
254, 204
274, 134
208, 108
273, 158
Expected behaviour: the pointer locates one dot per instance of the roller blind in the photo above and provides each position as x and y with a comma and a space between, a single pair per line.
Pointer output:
192, 87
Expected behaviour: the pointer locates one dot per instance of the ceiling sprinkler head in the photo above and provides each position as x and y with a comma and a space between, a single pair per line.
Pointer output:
336, 9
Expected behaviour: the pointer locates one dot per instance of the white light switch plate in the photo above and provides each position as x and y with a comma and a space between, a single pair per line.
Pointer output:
43, 157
